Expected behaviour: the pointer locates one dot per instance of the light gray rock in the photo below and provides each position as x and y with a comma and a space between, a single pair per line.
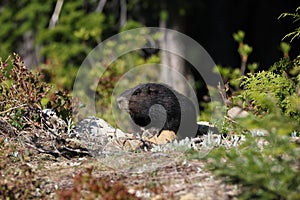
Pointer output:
96, 127
237, 112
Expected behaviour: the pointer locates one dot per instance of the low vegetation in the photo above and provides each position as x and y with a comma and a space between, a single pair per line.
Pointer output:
265, 167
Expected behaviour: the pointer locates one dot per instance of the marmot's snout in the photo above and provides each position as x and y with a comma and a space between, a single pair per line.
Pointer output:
123, 103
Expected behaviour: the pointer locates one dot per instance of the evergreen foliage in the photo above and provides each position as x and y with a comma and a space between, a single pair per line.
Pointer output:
265, 167
265, 89
296, 16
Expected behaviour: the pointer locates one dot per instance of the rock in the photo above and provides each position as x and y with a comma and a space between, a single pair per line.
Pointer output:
189, 196
164, 137
101, 138
96, 127
132, 145
204, 127
237, 112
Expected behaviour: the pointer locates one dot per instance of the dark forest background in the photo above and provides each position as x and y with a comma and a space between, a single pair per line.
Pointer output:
56, 35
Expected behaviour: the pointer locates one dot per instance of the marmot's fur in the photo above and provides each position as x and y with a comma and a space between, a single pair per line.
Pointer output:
158, 106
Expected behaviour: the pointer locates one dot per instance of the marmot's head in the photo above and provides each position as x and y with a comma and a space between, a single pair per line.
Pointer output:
150, 103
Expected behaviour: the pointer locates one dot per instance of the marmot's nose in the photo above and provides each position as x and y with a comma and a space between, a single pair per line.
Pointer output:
122, 103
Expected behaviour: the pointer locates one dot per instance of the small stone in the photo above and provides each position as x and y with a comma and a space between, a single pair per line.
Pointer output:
132, 145
164, 137
120, 133
205, 127
189, 196
237, 112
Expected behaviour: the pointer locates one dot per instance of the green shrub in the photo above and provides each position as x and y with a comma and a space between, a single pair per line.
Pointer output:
263, 172
265, 167
22, 92
265, 89
24, 95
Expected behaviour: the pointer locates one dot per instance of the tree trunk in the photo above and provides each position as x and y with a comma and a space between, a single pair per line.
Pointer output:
174, 63
29, 51
123, 13
55, 15
100, 6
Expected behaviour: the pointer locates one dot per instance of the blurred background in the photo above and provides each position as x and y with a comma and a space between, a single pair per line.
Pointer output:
55, 36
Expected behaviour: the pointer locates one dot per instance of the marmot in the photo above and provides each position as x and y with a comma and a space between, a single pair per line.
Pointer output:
152, 104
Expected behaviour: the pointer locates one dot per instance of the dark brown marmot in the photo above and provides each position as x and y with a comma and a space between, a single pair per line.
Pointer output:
159, 107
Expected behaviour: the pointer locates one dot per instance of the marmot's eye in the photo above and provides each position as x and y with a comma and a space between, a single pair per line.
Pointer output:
137, 91
152, 90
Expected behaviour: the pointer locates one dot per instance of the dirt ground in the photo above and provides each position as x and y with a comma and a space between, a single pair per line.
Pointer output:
28, 172
184, 180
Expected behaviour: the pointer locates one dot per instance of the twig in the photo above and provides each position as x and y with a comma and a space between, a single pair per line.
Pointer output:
10, 109
243, 65
222, 92
230, 119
